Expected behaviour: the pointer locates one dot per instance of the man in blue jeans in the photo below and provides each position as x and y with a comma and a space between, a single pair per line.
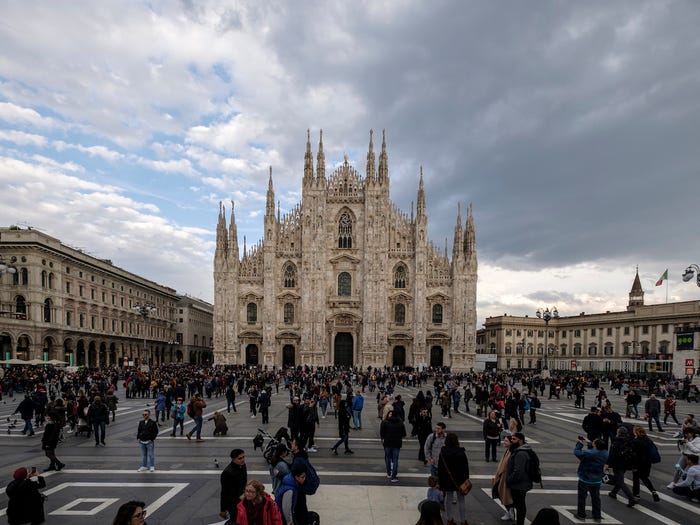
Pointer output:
198, 405
591, 467
358, 403
146, 436
392, 432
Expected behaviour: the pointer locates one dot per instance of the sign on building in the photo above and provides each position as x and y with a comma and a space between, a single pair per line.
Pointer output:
685, 341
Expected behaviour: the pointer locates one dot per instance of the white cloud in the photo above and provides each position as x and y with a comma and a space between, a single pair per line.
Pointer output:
93, 151
15, 114
23, 139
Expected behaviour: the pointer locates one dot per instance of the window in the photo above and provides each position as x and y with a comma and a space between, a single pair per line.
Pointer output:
592, 350
24, 276
51, 281
196, 340
608, 349
608, 332
68, 287
540, 333
529, 333
20, 305
645, 329
437, 313
400, 313
43, 279
93, 322
104, 297
114, 299
577, 349
664, 328
47, 311
252, 313
563, 333
80, 290
81, 320
290, 274
400, 276
69, 318
345, 231
509, 350
519, 333
577, 333
627, 330
344, 284
288, 313
114, 325
509, 331
562, 348
92, 293
592, 331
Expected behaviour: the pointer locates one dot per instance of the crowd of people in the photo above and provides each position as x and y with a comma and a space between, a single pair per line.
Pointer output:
85, 401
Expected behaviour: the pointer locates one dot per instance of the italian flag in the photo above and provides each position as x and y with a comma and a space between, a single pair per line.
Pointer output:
663, 278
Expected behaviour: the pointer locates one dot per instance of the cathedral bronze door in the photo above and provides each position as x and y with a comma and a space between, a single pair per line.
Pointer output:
288, 356
436, 356
399, 357
251, 355
343, 349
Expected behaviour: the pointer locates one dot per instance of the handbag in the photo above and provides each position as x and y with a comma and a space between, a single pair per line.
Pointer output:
607, 479
465, 487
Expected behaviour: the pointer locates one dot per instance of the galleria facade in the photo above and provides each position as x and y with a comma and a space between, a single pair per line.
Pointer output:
345, 278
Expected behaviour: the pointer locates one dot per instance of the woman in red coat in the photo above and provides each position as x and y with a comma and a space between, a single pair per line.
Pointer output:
257, 506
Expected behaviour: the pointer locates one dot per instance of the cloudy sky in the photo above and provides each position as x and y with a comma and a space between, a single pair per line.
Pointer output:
572, 127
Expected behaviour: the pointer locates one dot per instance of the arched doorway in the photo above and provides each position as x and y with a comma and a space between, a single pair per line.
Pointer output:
6, 345
343, 349
436, 356
48, 349
23, 347
81, 353
112, 354
103, 355
178, 356
399, 356
288, 356
92, 355
68, 356
251, 355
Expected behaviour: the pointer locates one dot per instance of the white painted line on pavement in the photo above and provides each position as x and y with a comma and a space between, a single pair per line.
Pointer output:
67, 509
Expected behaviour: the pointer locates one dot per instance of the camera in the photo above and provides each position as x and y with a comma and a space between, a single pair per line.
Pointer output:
581, 438
33, 470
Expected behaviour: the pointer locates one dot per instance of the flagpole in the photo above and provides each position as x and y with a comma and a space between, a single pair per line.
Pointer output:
666, 290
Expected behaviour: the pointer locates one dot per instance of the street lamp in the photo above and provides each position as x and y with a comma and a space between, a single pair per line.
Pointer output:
144, 310
691, 270
547, 316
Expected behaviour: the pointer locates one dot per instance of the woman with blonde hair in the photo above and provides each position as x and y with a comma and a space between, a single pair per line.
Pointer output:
499, 487
256, 506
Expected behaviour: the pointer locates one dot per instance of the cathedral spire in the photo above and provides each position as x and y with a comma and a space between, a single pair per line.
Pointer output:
221, 238
245, 247
421, 195
320, 160
370, 159
233, 234
458, 247
383, 175
470, 235
270, 208
308, 161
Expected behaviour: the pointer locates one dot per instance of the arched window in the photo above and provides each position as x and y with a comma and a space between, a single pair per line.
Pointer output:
20, 305
400, 276
608, 350
563, 349
51, 281
252, 313
400, 313
24, 276
437, 314
577, 349
345, 231
290, 275
47, 311
43, 279
592, 349
288, 313
344, 284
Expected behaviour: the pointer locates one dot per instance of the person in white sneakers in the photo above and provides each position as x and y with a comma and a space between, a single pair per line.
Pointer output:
146, 436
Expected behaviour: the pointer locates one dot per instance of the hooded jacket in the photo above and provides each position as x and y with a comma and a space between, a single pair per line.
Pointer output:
517, 475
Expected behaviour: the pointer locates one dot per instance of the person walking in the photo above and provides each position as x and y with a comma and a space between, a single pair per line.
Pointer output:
642, 446
49, 442
177, 414
197, 410
343, 428
423, 426
358, 403
433, 446
492, 435
309, 418
264, 403
232, 480
453, 471
392, 431
146, 435
592, 460
518, 475
26, 409
111, 400
499, 486
26, 503
257, 507
230, 397
670, 409
98, 418
620, 458
652, 408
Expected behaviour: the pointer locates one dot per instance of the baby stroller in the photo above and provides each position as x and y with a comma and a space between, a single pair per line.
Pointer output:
83, 427
268, 450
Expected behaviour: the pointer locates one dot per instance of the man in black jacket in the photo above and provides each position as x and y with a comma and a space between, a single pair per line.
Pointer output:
49, 442
26, 503
233, 480
146, 436
593, 424
392, 431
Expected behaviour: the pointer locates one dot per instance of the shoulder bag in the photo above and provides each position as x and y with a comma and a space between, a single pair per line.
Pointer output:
465, 487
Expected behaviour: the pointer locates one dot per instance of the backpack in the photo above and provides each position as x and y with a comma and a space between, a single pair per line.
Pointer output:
190, 409
312, 481
654, 455
536, 403
533, 467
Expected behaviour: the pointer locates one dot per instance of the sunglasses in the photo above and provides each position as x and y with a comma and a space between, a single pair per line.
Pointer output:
139, 515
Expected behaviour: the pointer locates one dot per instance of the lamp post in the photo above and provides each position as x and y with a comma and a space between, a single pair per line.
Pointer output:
547, 316
144, 310
691, 270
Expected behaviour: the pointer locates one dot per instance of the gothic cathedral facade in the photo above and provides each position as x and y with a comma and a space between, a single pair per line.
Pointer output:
345, 278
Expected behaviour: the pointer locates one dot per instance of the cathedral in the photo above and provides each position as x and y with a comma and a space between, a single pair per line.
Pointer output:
345, 278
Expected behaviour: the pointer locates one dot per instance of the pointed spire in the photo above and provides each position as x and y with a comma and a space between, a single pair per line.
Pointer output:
278, 211
370, 159
308, 161
421, 195
412, 211
470, 234
637, 293
270, 208
221, 238
383, 175
458, 246
445, 247
245, 247
320, 160
233, 234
